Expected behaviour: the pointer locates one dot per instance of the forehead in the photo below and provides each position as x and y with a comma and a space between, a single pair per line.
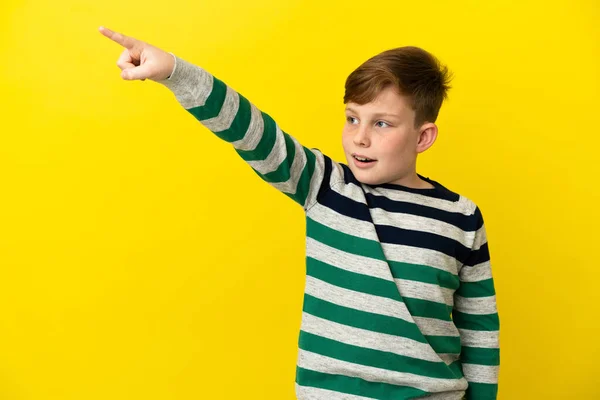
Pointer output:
388, 101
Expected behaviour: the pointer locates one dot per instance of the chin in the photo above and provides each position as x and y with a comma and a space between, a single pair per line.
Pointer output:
366, 177
370, 180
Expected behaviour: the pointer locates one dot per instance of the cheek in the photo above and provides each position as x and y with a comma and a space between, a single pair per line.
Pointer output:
396, 145
346, 138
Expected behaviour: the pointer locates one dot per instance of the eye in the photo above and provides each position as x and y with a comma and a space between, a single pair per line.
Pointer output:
349, 119
382, 122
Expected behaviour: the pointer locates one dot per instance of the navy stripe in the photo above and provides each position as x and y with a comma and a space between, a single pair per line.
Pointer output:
439, 192
424, 240
478, 219
461, 221
355, 209
346, 206
325, 184
393, 235
478, 256
349, 176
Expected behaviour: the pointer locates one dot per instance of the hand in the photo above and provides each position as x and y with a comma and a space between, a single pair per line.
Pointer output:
140, 60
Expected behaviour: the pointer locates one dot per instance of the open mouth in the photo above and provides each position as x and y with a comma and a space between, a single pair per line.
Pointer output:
363, 159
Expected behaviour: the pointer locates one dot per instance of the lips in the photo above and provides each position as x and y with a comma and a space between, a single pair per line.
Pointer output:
362, 158
362, 161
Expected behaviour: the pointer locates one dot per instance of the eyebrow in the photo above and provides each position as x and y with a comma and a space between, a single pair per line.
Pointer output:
376, 115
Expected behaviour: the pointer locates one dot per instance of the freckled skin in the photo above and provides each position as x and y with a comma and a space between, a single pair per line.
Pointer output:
392, 140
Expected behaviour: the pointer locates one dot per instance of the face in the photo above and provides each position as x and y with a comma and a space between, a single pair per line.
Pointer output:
380, 141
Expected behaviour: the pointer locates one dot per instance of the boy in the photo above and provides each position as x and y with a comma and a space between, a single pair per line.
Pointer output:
399, 300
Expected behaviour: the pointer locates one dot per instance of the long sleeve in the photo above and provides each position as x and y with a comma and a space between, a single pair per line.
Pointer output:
476, 316
275, 156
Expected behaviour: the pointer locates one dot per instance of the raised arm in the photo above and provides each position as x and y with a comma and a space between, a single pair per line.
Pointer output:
275, 156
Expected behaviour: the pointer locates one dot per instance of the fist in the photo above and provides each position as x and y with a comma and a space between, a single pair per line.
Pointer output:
140, 60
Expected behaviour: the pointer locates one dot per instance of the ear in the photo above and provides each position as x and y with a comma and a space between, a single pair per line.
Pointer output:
427, 134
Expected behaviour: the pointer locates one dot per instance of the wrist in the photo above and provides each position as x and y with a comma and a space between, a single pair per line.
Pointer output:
174, 66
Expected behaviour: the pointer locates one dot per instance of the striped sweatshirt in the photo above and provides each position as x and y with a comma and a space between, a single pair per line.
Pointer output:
399, 299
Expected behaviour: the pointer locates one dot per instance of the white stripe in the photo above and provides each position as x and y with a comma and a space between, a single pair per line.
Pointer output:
480, 238
365, 265
227, 113
336, 181
376, 305
190, 96
436, 327
454, 395
368, 339
449, 358
315, 181
312, 393
476, 305
254, 133
476, 273
481, 373
357, 300
366, 229
349, 190
276, 156
425, 291
341, 223
420, 256
484, 339
461, 206
347, 261
291, 185
423, 224
328, 365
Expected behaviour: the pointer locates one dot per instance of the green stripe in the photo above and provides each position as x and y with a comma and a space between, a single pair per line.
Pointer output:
351, 280
239, 125
213, 104
362, 319
486, 322
238, 129
303, 187
341, 241
377, 287
444, 344
424, 273
266, 143
481, 356
377, 358
282, 173
428, 309
476, 289
482, 391
355, 386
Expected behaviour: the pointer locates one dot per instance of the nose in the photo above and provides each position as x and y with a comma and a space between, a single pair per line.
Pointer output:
362, 137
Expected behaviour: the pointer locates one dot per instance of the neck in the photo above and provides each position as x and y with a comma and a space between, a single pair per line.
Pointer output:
413, 181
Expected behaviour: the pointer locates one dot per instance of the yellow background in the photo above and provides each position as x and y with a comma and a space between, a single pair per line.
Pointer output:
141, 259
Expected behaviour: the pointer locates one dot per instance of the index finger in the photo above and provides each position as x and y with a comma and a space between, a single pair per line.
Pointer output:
119, 38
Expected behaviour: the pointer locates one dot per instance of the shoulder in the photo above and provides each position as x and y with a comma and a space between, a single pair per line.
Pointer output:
463, 205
